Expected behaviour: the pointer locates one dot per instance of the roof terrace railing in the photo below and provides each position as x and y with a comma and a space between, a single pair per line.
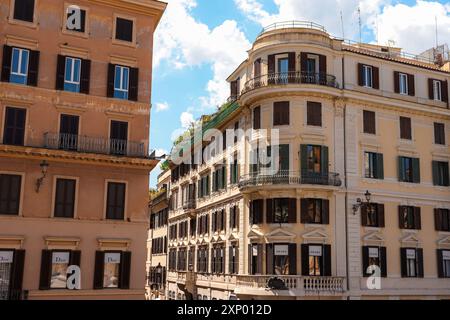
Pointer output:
293, 24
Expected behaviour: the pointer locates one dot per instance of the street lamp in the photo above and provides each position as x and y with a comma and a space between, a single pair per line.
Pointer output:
359, 202
44, 167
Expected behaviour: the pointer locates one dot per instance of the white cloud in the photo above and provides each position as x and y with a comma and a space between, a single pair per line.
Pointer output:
162, 106
413, 28
186, 42
186, 119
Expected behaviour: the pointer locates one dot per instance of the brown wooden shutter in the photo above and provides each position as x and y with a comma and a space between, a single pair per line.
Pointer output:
260, 259
60, 71
405, 128
33, 68
125, 270
323, 64
269, 211
417, 218
257, 68
360, 74
365, 260
439, 253
305, 259
376, 77
292, 211
403, 262
396, 82
380, 213
430, 89
401, 221
17, 269
411, 85
271, 64
292, 259
369, 122
257, 118
6, 63
269, 259
110, 83
304, 62
438, 220
326, 258
249, 259
444, 89
133, 92
364, 216
304, 211
419, 257
325, 212
75, 258
46, 268
85, 79
99, 269
291, 62
383, 261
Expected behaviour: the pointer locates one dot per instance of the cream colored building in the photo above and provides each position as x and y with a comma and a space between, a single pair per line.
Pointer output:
74, 161
157, 239
351, 117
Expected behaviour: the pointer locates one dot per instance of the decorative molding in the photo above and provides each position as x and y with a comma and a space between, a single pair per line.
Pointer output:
123, 60
373, 236
444, 242
11, 242
53, 243
255, 235
76, 52
16, 41
315, 236
410, 238
113, 244
280, 235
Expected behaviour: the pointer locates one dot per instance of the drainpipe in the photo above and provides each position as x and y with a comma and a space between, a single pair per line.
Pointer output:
345, 180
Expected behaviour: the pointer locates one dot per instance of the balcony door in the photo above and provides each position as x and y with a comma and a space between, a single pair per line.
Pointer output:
14, 130
68, 132
118, 138
283, 70
314, 164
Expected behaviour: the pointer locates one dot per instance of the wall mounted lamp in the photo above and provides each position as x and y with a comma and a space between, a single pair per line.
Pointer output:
360, 203
44, 167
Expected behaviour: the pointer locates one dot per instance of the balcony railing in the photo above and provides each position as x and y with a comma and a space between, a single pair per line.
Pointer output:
287, 78
116, 147
289, 178
293, 24
303, 284
160, 196
190, 204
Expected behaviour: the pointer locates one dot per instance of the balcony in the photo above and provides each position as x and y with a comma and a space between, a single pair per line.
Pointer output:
289, 178
290, 78
297, 285
190, 204
159, 197
85, 144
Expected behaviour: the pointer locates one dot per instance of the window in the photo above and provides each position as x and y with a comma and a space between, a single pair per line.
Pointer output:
236, 129
14, 130
115, 203
219, 179
283, 69
202, 259
314, 211
68, 132
316, 260
280, 259
412, 263
121, 82
372, 215
234, 171
367, 78
72, 75
182, 259
403, 83
234, 259
65, 198
405, 128
60, 263
10, 188
256, 211
74, 22
374, 256
409, 170
124, 29
443, 263
281, 113
218, 259
118, 138
409, 218
11, 273
281, 210
373, 165
314, 114
255, 258
442, 219
440, 173
369, 122
19, 66
314, 155
257, 118
234, 217
24, 10
437, 90
203, 186
111, 270
439, 133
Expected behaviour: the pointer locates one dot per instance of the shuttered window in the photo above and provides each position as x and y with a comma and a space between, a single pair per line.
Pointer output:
368, 76
316, 260
115, 203
281, 210
369, 122
405, 128
314, 114
65, 198
438, 90
373, 215
10, 188
257, 118
442, 219
409, 218
54, 264
14, 128
256, 211
233, 256
374, 257
411, 262
255, 259
315, 211
281, 113
373, 165
439, 133
409, 169
124, 29
440, 173
24, 10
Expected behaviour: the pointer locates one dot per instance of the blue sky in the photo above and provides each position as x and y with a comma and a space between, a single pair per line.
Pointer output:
200, 42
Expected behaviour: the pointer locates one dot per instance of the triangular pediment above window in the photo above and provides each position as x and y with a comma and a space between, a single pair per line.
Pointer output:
444, 242
410, 239
373, 237
233, 236
192, 242
217, 238
280, 235
315, 236
255, 235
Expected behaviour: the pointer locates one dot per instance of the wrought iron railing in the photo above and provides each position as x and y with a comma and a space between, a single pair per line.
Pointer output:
117, 147
293, 24
14, 295
190, 204
294, 77
262, 178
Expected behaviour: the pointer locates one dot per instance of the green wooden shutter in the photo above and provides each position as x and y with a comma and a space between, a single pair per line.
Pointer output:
401, 169
284, 154
416, 170
435, 166
365, 260
324, 158
380, 166
304, 158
